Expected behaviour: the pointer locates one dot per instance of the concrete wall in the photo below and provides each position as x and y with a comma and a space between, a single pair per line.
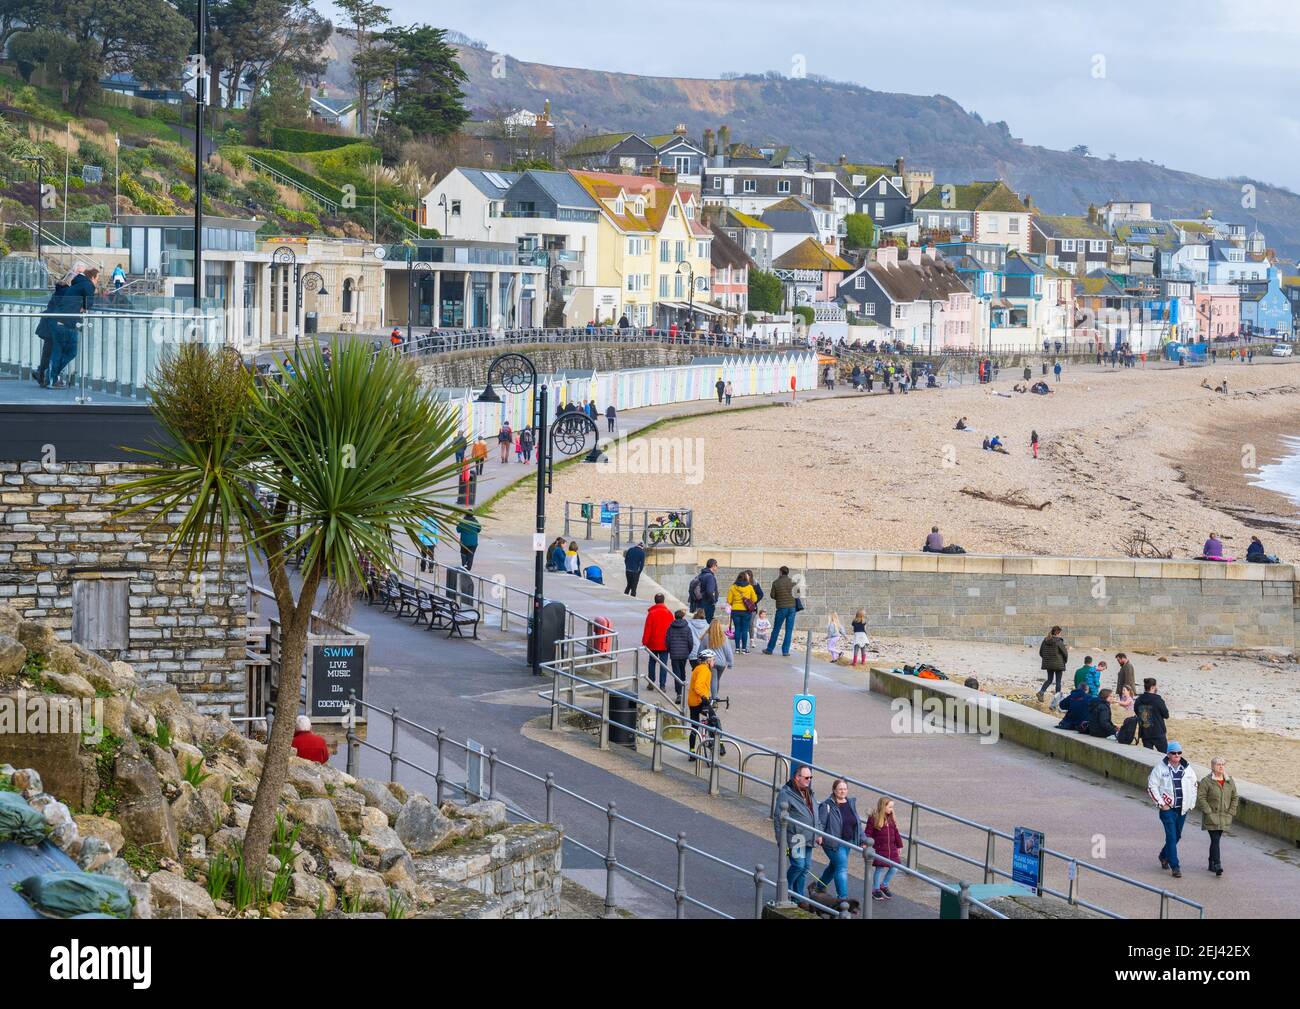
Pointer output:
1138, 604
1262, 809
57, 530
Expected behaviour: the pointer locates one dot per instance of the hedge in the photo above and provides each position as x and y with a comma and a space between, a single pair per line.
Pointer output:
283, 138
297, 174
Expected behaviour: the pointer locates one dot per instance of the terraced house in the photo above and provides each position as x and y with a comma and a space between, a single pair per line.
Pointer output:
652, 250
1077, 245
979, 212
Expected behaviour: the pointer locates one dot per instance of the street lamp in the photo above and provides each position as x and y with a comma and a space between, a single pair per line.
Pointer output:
568, 433
40, 201
425, 269
446, 214
313, 281
690, 293
117, 153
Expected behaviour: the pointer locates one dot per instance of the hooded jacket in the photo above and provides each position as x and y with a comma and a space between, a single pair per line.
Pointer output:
830, 818
1076, 707
678, 639
1151, 714
1100, 723
799, 811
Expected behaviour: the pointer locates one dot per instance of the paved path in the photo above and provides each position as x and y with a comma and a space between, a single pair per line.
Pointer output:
1000, 784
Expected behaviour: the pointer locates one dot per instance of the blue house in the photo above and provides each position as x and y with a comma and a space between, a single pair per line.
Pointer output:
1265, 309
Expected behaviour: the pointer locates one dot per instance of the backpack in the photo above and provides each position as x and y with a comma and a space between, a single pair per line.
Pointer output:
694, 592
594, 574
952, 548
1128, 731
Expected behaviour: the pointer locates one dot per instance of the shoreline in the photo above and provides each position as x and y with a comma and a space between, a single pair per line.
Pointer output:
1121, 452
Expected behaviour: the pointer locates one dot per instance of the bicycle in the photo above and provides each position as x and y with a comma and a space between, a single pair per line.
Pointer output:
669, 530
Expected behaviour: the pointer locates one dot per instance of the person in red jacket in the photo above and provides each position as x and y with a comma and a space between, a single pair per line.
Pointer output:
883, 831
655, 639
307, 744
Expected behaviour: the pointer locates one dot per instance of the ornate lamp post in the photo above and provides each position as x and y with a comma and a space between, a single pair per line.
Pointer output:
568, 434
425, 269
313, 281
690, 292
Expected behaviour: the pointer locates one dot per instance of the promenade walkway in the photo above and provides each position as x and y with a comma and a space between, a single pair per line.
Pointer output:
1000, 784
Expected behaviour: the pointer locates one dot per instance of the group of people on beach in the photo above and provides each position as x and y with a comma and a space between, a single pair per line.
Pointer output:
1172, 783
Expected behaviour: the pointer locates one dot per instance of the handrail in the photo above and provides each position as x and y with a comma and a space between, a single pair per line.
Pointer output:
285, 180
611, 821
64, 248
990, 870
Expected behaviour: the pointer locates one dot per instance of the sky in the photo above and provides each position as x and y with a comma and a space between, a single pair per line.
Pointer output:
1208, 86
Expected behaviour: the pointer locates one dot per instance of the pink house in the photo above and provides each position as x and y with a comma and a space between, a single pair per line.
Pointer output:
1218, 312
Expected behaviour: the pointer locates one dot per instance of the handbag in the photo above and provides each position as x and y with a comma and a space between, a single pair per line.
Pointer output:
798, 604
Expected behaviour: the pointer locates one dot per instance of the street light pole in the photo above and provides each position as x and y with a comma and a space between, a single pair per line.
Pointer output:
200, 97
40, 202
285, 256
569, 433
314, 282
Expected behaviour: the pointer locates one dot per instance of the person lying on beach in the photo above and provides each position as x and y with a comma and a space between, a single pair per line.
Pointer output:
1020, 387
1205, 384
1041, 388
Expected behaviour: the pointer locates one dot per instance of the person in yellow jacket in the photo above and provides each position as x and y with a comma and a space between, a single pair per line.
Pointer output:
743, 601
700, 692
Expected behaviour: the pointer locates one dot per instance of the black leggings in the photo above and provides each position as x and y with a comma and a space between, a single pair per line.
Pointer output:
1215, 835
1047, 682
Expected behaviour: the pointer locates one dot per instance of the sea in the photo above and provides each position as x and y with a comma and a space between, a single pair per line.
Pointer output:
1283, 476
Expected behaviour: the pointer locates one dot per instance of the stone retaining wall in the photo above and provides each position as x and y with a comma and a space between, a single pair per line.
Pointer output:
1137, 604
58, 538
517, 870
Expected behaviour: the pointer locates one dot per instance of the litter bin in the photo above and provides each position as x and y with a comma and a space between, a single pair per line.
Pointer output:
622, 719
309, 322
553, 614
467, 487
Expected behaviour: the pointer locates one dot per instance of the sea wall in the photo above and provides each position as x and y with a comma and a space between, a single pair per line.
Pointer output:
1123, 603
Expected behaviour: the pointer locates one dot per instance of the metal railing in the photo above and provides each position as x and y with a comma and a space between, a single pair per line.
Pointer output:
325, 202
609, 823
447, 340
630, 523
569, 687
493, 594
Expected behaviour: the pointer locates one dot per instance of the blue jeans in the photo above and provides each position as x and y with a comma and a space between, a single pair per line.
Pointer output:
881, 875
798, 871
740, 621
708, 610
784, 615
1172, 821
65, 349
838, 870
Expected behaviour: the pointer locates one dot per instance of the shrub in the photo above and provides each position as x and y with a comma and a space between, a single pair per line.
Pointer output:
235, 159
180, 191
95, 126
93, 154
263, 191
284, 138
805, 313
216, 184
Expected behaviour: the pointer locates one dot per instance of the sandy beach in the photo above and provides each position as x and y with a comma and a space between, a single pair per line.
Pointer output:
1120, 452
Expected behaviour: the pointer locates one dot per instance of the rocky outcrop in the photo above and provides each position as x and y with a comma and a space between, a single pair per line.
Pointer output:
172, 791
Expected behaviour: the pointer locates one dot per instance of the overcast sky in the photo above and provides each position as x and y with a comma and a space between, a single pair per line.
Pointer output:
1208, 86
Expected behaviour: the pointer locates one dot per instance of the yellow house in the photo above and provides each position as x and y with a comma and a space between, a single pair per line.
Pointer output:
652, 249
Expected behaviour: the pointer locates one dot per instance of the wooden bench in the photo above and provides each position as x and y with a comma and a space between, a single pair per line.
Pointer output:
390, 593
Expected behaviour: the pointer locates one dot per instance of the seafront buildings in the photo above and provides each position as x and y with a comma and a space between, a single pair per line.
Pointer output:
670, 231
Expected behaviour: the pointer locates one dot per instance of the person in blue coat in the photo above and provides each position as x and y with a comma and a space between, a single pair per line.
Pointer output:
1076, 707
633, 565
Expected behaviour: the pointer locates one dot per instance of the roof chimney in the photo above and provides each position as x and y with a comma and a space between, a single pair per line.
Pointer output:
724, 138
1029, 202
679, 130
844, 159
709, 147
887, 255
898, 166
807, 161
546, 111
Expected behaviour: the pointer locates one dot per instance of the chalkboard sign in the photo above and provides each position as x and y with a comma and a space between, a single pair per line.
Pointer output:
338, 667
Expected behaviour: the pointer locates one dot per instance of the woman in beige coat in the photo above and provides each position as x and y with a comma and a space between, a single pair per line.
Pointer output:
1217, 801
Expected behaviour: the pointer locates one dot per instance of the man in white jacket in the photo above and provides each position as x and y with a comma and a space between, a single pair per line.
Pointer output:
1172, 786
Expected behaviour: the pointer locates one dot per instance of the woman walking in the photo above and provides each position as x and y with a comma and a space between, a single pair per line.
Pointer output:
743, 601
838, 817
1033, 443
727, 393
1217, 801
724, 655
884, 834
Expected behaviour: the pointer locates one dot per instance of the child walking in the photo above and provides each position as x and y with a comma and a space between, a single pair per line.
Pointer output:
1033, 442
860, 638
834, 637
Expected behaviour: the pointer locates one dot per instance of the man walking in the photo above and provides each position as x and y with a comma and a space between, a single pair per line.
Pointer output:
633, 565
721, 388
784, 600
611, 415
505, 439
1152, 712
797, 799
1172, 785
1054, 655
1126, 677
654, 636
468, 529
702, 593
460, 445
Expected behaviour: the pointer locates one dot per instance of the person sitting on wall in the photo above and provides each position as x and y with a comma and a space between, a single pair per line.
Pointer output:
1255, 553
308, 744
933, 542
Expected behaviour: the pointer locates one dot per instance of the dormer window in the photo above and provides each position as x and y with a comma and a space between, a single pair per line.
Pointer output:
619, 207
672, 211
638, 207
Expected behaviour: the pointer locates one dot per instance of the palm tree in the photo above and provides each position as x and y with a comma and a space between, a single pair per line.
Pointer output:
350, 452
